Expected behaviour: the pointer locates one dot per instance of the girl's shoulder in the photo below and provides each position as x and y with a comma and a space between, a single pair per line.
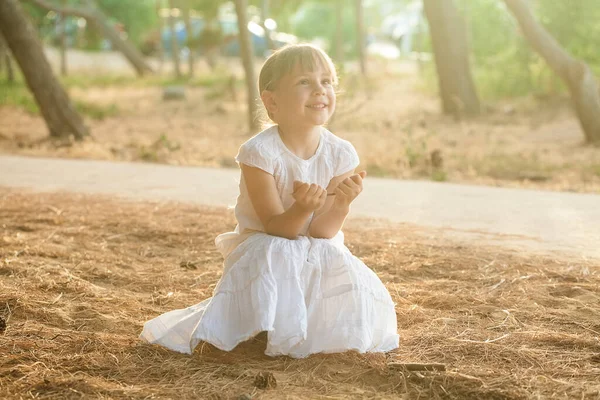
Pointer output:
261, 150
336, 143
264, 143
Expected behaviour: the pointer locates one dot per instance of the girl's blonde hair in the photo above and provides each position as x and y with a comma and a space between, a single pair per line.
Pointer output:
283, 61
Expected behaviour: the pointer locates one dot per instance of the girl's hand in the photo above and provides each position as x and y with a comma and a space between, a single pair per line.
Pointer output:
348, 190
309, 197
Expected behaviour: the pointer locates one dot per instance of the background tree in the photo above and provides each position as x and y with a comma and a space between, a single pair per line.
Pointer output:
265, 14
161, 27
451, 53
360, 36
185, 12
338, 41
582, 85
56, 108
211, 37
248, 61
62, 26
174, 42
5, 61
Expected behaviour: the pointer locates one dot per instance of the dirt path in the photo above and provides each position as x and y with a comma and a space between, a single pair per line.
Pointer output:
539, 221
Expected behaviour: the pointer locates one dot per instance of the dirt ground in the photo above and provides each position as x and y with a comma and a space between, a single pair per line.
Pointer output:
80, 274
394, 123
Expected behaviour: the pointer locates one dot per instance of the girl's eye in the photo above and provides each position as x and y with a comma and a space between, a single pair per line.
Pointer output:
304, 82
327, 82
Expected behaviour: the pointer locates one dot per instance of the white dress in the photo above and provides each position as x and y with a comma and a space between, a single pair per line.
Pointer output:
311, 295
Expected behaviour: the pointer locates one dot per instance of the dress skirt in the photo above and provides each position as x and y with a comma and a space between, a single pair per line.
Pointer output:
310, 295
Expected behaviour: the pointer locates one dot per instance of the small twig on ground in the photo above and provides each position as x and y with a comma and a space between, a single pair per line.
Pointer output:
417, 366
482, 342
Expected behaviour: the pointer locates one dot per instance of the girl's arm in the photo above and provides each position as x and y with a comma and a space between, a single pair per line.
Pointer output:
267, 204
329, 220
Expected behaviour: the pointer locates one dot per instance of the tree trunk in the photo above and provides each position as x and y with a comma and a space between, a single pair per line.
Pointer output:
56, 108
63, 42
185, 9
10, 71
248, 61
3, 51
339, 32
5, 60
360, 37
161, 28
265, 15
583, 86
451, 52
96, 17
174, 43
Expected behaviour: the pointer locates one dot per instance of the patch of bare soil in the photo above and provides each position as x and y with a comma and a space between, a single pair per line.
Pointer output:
79, 275
396, 128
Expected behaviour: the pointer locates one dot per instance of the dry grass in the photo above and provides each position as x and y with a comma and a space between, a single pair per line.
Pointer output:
80, 274
394, 125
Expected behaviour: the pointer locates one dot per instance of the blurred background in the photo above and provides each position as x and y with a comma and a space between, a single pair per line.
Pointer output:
494, 92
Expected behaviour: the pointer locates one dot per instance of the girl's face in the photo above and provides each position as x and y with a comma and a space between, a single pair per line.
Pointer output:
302, 98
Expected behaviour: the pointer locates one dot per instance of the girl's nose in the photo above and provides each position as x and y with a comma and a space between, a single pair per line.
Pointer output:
319, 89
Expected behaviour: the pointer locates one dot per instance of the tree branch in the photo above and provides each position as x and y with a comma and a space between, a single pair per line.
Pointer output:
557, 58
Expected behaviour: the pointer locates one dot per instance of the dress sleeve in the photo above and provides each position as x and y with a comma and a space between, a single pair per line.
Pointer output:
347, 159
253, 156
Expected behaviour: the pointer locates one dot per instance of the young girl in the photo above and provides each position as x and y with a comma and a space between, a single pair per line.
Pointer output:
287, 270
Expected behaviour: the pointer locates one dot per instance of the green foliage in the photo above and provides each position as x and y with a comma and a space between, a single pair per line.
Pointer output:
376, 170
282, 12
17, 94
96, 111
138, 16
575, 25
317, 19
208, 8
94, 80
516, 167
90, 81
439, 176
157, 150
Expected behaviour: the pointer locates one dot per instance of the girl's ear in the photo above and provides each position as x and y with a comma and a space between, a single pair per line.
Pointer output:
268, 99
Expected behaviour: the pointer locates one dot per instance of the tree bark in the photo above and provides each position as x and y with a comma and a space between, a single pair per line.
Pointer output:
265, 15
56, 108
451, 52
339, 32
360, 37
185, 9
3, 52
174, 44
96, 17
579, 78
248, 61
63, 42
5, 60
161, 28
